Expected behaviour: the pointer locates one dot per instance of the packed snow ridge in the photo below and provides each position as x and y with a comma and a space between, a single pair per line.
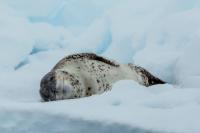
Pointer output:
161, 36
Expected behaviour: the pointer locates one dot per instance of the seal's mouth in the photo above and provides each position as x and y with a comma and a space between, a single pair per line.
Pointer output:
45, 98
48, 94
55, 94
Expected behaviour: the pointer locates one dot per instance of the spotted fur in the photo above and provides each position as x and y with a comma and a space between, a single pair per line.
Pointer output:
147, 78
83, 56
86, 74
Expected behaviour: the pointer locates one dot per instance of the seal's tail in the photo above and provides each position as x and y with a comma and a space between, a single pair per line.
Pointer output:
144, 77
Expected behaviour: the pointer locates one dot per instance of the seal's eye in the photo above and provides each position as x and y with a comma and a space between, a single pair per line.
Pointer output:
51, 79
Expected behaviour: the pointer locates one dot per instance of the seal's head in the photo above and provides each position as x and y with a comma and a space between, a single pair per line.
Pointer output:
55, 85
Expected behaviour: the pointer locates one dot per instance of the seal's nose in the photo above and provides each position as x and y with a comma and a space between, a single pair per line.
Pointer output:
44, 94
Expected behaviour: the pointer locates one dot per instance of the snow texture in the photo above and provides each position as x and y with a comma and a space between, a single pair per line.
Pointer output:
161, 36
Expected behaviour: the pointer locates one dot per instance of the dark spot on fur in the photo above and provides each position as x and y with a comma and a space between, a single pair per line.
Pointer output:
89, 89
65, 72
100, 67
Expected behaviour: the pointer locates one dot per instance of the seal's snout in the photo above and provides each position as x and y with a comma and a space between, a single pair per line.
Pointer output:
48, 87
44, 94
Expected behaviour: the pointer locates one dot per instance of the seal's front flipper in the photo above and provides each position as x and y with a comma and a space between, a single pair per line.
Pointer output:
145, 78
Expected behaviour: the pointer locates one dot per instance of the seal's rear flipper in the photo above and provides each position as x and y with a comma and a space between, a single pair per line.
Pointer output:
145, 77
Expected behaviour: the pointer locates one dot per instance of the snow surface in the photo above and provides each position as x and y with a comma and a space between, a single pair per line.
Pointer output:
161, 36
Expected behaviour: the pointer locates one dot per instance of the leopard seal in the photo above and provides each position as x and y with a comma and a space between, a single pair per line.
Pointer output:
86, 74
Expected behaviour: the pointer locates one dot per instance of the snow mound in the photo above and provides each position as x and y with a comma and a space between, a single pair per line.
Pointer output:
161, 36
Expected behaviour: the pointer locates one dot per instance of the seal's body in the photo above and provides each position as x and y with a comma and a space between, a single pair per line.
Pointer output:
86, 74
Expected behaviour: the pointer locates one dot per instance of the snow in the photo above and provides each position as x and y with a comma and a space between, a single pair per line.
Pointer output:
161, 36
